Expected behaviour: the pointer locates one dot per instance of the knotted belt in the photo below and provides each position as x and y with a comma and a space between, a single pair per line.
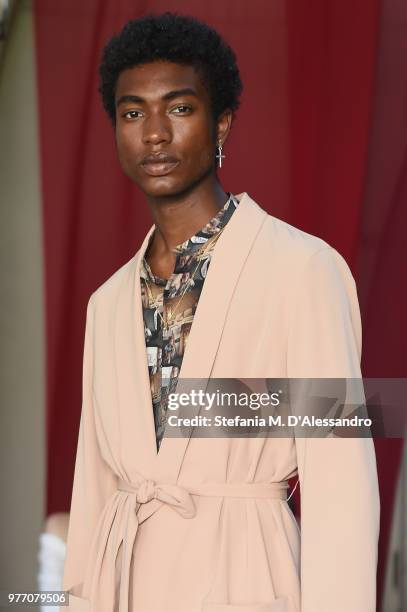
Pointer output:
146, 497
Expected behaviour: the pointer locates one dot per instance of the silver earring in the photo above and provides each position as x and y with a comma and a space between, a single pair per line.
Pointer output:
219, 155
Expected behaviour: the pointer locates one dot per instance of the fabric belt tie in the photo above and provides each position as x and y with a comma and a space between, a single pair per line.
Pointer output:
146, 497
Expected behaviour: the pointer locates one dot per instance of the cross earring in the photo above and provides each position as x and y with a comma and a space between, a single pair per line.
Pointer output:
219, 155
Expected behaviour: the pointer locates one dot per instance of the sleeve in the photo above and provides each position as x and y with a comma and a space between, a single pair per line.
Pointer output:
94, 481
340, 504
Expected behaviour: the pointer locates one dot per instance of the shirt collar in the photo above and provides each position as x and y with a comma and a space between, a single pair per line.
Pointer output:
193, 243
213, 226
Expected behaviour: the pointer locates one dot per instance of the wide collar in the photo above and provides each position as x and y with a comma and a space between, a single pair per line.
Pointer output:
135, 406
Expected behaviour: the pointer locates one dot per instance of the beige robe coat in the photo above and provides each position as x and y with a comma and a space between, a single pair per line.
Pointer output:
204, 526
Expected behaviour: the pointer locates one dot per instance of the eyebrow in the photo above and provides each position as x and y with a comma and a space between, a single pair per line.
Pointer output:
168, 96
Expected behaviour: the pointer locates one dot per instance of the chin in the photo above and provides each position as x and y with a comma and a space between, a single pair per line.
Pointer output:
170, 185
161, 187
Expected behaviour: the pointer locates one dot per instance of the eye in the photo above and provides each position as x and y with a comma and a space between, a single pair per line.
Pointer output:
183, 106
126, 115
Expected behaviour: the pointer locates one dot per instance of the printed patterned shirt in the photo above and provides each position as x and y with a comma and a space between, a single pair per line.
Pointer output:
165, 348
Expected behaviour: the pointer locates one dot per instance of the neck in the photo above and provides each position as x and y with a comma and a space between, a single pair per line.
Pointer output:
179, 217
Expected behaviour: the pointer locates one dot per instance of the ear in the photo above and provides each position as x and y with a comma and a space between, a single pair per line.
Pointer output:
223, 125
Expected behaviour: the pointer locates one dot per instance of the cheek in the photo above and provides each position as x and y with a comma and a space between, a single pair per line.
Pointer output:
207, 157
126, 147
124, 141
200, 152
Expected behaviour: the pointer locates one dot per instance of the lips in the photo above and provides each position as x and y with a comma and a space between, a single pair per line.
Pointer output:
159, 168
159, 163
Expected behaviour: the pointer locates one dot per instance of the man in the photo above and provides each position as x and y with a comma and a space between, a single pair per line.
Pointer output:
181, 524
169, 119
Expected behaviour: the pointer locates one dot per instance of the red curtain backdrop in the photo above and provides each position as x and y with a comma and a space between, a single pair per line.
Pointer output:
317, 142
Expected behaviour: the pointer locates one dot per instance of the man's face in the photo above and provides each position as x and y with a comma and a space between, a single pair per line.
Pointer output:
163, 108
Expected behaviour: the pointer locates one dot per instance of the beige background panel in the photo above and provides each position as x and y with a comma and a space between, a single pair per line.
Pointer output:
22, 424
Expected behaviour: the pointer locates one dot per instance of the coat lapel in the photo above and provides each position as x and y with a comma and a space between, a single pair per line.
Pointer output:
227, 261
136, 420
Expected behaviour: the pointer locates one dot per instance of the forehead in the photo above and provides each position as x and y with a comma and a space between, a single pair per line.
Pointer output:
154, 79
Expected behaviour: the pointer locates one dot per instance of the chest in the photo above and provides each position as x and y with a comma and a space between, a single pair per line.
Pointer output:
255, 331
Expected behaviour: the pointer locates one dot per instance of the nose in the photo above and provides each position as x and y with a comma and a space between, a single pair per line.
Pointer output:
156, 129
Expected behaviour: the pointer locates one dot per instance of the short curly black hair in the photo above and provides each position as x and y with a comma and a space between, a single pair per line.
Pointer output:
177, 38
